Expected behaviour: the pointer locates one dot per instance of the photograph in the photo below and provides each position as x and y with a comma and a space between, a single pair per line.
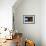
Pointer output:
29, 19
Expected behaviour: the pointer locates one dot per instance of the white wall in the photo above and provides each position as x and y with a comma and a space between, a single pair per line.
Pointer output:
31, 31
43, 22
6, 13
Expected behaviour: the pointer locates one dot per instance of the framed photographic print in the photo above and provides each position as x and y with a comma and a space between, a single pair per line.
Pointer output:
29, 19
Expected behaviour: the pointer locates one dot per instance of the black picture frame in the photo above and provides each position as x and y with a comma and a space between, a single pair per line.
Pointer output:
28, 19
